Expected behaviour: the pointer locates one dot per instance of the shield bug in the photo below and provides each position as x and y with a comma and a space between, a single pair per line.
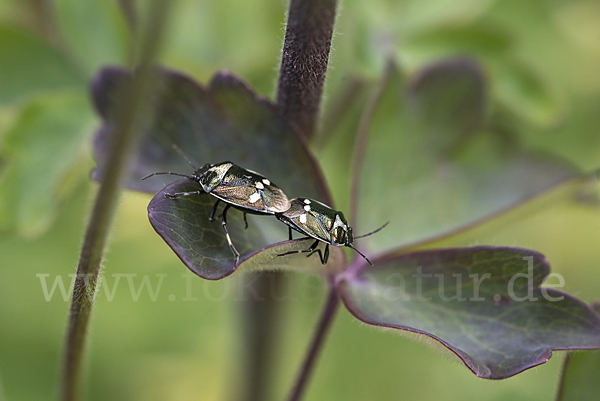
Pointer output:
237, 187
319, 221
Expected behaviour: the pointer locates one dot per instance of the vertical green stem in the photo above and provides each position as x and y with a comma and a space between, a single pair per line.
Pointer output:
360, 143
261, 324
42, 15
133, 108
316, 344
128, 10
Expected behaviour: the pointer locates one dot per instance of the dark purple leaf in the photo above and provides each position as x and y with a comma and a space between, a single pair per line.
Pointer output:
485, 304
430, 163
202, 246
225, 121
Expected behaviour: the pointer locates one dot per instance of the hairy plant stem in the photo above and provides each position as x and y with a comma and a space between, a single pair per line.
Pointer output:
327, 316
300, 88
133, 108
304, 62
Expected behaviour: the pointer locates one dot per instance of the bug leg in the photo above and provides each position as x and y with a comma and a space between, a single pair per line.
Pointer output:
245, 221
317, 251
213, 211
290, 231
224, 222
311, 249
180, 194
323, 257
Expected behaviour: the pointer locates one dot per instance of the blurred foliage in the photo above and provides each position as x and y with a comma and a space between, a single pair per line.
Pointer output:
40, 151
433, 163
540, 60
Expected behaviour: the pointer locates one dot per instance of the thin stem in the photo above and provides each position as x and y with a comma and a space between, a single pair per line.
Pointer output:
308, 365
129, 12
42, 20
262, 324
561, 383
304, 61
361, 139
133, 108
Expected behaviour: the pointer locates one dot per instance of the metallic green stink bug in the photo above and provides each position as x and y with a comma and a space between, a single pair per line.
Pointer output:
237, 187
319, 221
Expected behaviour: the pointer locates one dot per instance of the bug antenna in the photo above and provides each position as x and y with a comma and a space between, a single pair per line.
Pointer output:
360, 253
372, 232
180, 152
164, 173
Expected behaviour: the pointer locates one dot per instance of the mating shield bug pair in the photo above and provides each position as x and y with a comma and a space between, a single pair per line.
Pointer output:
253, 193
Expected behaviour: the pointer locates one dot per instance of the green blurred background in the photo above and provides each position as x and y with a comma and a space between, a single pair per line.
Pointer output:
541, 58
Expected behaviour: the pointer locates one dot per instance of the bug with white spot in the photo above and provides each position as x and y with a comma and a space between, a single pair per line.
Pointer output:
317, 220
235, 186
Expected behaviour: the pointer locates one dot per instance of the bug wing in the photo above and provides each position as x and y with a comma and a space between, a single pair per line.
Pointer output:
306, 222
318, 225
244, 194
275, 199
294, 211
240, 195
252, 191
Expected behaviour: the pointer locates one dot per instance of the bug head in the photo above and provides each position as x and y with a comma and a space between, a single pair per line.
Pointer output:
211, 176
342, 235
200, 174
341, 232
